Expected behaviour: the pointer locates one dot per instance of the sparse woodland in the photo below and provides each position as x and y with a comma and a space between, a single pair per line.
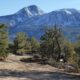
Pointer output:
50, 49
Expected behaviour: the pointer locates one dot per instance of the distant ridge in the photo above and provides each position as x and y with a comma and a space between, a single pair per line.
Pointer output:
33, 20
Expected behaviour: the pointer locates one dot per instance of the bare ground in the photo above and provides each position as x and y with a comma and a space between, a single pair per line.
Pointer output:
13, 69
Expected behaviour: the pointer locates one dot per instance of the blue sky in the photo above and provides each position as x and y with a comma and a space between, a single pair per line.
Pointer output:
11, 6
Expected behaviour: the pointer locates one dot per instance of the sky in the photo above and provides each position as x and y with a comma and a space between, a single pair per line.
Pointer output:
8, 7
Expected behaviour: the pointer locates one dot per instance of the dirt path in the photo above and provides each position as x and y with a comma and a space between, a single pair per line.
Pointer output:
13, 69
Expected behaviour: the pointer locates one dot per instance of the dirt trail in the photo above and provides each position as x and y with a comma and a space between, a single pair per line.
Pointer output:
13, 69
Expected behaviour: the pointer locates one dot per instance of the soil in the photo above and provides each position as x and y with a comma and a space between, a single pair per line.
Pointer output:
14, 69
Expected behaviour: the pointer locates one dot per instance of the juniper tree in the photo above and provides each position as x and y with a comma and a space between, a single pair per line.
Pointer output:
51, 43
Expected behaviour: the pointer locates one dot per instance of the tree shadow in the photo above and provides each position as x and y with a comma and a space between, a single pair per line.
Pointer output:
35, 60
37, 75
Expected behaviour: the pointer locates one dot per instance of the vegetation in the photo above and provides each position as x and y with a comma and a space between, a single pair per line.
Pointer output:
70, 53
52, 46
35, 45
3, 41
20, 43
77, 49
23, 44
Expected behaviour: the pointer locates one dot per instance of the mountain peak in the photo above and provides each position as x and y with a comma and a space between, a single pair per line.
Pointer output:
33, 7
32, 10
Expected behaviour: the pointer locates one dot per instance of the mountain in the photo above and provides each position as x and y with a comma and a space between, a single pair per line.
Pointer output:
33, 21
21, 16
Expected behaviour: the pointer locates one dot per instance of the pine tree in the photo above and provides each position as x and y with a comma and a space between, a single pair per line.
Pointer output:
3, 41
35, 45
28, 46
20, 43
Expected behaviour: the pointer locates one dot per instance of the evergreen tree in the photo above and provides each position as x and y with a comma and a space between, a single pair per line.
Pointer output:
77, 49
20, 43
28, 46
51, 43
70, 53
3, 41
35, 45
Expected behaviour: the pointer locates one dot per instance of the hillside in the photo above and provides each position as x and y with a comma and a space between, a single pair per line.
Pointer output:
33, 20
